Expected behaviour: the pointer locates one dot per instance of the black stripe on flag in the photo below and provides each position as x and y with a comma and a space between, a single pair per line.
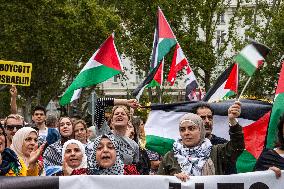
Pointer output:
251, 109
261, 48
29, 182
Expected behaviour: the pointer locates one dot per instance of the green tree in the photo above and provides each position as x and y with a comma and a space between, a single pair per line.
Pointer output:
56, 37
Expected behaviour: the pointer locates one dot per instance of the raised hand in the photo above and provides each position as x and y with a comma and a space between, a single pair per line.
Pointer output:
234, 111
67, 171
13, 91
133, 103
34, 156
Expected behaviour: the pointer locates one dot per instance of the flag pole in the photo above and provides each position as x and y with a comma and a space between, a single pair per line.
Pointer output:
248, 81
93, 108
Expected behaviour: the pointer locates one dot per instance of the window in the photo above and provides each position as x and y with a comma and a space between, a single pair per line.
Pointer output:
115, 78
220, 37
221, 19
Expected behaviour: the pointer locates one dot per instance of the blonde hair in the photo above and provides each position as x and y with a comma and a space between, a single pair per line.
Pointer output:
14, 116
124, 108
80, 121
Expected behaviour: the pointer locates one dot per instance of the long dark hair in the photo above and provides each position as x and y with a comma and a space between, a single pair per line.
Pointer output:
280, 133
4, 133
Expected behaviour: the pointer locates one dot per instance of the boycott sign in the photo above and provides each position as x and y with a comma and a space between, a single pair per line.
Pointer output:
15, 73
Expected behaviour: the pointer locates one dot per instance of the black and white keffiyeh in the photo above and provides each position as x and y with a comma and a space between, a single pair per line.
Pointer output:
53, 154
192, 160
94, 168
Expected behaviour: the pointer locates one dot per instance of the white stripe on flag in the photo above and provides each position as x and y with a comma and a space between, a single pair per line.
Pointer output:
190, 78
252, 55
166, 124
219, 94
180, 56
76, 94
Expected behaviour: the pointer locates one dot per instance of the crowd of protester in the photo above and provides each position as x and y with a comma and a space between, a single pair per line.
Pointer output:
64, 146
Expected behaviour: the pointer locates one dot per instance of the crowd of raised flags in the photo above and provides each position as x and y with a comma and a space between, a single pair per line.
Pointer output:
259, 132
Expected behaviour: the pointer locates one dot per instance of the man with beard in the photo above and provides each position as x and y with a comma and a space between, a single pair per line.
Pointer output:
206, 113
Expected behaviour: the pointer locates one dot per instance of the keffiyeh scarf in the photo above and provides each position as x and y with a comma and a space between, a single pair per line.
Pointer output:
192, 160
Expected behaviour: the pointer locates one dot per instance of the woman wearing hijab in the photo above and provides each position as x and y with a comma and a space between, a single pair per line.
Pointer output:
53, 153
194, 155
273, 158
9, 162
105, 159
25, 145
74, 159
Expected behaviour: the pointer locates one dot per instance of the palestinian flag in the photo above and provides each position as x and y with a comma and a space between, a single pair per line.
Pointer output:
164, 40
139, 90
255, 135
179, 63
277, 111
104, 64
251, 57
162, 124
225, 86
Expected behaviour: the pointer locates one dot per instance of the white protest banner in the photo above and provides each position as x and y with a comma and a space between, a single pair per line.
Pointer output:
252, 180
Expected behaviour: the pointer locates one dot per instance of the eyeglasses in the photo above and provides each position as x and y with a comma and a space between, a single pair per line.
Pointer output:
12, 127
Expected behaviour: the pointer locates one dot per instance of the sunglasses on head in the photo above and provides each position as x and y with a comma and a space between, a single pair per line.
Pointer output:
12, 127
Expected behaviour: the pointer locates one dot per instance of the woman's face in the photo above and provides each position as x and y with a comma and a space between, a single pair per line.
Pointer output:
65, 127
105, 154
190, 134
2, 141
120, 118
73, 155
80, 133
29, 144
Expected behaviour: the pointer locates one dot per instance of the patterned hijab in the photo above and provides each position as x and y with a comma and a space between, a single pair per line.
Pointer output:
95, 169
82, 148
18, 140
9, 159
192, 160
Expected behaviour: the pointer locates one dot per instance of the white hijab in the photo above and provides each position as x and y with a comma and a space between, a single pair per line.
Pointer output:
82, 148
18, 140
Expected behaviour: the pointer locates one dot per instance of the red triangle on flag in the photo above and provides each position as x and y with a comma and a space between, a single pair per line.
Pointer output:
280, 85
255, 135
178, 63
107, 54
165, 30
232, 81
159, 74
